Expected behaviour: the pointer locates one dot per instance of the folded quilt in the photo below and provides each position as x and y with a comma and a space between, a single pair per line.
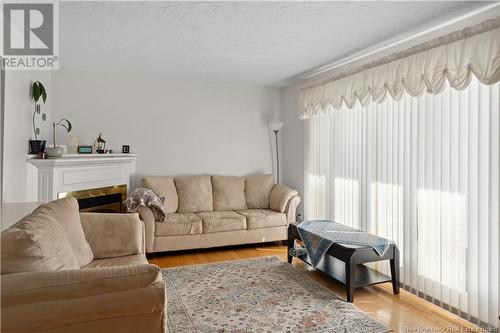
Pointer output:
144, 197
319, 235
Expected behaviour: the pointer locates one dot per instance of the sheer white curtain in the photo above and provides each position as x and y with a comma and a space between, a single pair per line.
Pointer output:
424, 172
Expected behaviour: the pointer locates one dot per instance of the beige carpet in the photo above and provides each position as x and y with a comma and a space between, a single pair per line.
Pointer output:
257, 295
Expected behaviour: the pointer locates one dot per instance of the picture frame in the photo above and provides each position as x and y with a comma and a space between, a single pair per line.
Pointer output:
84, 149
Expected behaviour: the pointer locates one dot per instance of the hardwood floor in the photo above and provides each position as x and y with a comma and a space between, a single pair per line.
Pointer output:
402, 313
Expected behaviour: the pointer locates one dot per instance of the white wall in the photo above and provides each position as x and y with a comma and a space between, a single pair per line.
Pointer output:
293, 141
177, 127
18, 130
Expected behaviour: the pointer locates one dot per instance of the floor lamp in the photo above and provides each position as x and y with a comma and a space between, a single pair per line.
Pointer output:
276, 127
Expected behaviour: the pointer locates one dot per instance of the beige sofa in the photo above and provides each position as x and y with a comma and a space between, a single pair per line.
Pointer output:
211, 211
63, 271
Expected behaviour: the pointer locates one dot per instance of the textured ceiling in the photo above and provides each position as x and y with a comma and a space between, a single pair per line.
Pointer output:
261, 43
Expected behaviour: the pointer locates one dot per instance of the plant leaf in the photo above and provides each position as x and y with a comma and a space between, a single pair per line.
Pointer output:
44, 93
67, 126
36, 91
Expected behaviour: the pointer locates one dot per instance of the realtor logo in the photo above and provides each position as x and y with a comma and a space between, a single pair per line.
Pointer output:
29, 35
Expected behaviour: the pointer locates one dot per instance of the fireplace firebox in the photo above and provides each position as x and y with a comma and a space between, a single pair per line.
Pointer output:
104, 199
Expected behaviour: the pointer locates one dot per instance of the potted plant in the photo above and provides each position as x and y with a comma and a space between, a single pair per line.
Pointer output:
37, 91
55, 151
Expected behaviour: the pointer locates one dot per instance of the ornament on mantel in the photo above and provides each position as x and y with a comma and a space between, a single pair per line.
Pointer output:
100, 145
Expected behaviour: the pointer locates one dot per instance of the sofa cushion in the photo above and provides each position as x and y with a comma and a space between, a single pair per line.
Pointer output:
257, 190
66, 212
114, 299
195, 194
220, 221
64, 286
36, 243
263, 218
228, 193
165, 187
135, 259
113, 235
179, 224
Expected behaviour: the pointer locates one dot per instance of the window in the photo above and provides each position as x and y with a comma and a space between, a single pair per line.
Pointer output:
424, 172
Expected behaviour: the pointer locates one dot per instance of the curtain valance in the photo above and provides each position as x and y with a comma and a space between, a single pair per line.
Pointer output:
421, 72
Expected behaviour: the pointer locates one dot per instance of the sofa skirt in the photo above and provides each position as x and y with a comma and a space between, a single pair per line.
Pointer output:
201, 241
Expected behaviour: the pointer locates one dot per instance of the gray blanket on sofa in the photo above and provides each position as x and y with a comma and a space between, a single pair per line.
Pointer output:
144, 197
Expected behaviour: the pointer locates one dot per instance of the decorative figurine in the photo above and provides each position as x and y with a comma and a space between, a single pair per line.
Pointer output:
101, 144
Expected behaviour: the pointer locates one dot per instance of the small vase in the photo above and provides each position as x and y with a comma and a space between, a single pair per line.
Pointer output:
37, 146
74, 143
54, 151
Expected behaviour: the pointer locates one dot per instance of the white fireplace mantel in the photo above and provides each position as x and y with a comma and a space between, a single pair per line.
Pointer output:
74, 172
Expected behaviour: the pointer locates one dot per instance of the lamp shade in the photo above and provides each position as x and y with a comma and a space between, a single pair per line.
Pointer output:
275, 126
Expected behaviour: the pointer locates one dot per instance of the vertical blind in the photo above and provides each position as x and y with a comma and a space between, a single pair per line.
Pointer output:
423, 172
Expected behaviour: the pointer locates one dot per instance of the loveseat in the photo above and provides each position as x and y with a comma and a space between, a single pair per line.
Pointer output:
63, 271
212, 211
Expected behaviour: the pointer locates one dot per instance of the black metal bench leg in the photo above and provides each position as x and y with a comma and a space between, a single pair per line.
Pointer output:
395, 271
350, 278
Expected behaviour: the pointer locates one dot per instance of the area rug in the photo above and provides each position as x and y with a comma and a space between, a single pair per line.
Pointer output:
256, 295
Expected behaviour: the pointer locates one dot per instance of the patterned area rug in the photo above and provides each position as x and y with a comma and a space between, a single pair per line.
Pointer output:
256, 295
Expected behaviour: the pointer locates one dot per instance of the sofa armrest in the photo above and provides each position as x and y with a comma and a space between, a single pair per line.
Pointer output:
280, 196
147, 217
113, 235
55, 299
291, 209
